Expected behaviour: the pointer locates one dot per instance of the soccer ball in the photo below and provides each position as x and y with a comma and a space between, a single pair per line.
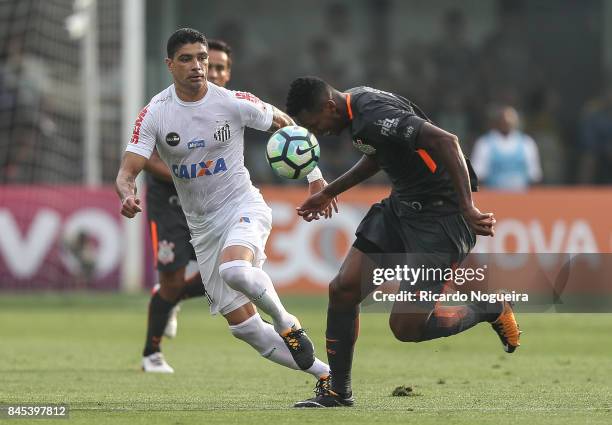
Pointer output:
293, 152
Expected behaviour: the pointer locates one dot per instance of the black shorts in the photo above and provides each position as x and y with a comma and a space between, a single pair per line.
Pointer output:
170, 235
393, 234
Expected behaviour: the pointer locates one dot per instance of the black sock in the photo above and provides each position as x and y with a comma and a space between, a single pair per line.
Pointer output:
341, 334
158, 318
450, 320
490, 311
193, 289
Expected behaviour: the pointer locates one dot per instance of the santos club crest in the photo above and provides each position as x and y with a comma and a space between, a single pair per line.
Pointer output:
222, 132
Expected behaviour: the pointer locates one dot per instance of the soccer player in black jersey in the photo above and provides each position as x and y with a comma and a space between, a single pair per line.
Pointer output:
170, 237
429, 217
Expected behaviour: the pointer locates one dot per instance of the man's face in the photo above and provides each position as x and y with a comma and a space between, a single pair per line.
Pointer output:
189, 66
219, 71
325, 122
508, 120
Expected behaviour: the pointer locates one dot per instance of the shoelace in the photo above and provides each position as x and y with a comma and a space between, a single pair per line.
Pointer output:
323, 386
292, 339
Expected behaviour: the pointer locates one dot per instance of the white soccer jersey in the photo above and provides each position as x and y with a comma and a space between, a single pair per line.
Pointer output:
203, 145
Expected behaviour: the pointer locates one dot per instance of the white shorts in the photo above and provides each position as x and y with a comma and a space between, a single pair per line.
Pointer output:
248, 226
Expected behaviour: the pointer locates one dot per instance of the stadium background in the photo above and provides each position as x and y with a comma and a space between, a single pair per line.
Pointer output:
73, 273
69, 89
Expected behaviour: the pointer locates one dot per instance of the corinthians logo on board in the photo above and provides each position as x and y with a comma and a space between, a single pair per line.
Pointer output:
222, 133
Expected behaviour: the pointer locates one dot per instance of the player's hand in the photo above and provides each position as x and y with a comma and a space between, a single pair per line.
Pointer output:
316, 187
315, 206
130, 206
481, 223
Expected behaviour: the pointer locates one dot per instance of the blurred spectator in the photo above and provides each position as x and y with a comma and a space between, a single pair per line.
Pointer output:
25, 82
452, 115
506, 158
320, 60
339, 50
453, 56
79, 254
415, 75
542, 123
505, 55
596, 140
455, 86
377, 62
248, 48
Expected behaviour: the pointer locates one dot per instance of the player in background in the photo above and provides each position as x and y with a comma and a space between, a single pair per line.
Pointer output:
428, 220
198, 129
505, 157
172, 250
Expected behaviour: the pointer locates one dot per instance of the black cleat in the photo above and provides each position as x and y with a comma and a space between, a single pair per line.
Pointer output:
300, 346
325, 397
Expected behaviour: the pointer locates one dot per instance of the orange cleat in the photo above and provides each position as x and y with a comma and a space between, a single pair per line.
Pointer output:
507, 329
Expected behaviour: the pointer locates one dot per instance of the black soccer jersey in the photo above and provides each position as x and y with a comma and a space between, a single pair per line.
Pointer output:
159, 187
386, 126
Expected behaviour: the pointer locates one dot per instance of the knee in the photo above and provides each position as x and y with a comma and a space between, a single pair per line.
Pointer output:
235, 275
341, 294
405, 330
171, 286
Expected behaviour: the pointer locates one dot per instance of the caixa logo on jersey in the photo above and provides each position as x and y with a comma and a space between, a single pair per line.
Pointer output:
204, 168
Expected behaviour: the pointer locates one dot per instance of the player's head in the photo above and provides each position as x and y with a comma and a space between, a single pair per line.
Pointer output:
188, 58
316, 105
219, 62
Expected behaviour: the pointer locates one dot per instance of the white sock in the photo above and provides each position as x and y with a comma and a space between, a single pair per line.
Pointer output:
263, 337
253, 282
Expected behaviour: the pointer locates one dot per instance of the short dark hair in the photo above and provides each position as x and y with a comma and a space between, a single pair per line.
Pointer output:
305, 93
223, 47
181, 37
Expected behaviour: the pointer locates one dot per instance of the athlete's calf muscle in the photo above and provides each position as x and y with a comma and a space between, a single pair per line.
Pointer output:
353, 282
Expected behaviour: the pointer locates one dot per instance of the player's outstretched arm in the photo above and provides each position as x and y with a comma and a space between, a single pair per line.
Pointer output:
317, 186
365, 168
280, 120
157, 167
125, 184
446, 147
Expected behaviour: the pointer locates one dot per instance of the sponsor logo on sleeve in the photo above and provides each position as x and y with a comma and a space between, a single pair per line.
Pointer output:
138, 124
247, 96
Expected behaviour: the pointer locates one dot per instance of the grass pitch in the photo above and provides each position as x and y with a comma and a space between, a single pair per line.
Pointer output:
84, 350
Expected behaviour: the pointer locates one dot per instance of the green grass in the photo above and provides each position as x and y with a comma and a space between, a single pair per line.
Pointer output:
85, 351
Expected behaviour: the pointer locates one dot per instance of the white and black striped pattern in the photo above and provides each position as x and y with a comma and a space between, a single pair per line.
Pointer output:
222, 133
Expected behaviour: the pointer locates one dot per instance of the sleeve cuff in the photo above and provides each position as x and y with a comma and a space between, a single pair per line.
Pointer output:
314, 175
269, 116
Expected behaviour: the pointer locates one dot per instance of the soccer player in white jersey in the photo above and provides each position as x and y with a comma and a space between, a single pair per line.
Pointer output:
197, 128
171, 239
